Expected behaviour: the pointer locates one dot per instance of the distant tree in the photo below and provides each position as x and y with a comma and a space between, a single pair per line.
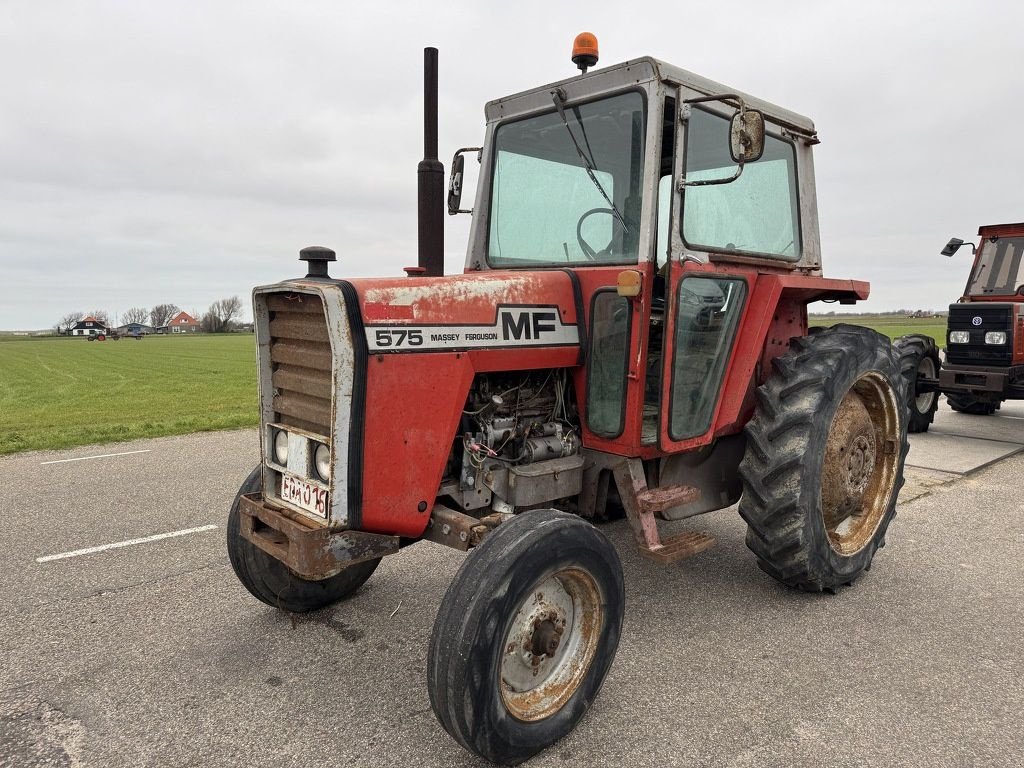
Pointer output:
134, 315
161, 314
101, 315
219, 316
66, 323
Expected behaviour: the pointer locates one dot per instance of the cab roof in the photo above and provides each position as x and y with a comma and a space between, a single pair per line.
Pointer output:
637, 71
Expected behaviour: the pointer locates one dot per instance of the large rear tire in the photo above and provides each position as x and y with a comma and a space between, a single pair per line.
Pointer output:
919, 357
270, 580
824, 459
525, 635
971, 405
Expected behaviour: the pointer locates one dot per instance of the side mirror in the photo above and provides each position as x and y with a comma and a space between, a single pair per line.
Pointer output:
455, 181
954, 244
746, 136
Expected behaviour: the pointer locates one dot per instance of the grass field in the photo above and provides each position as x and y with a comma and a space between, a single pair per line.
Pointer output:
61, 392
892, 325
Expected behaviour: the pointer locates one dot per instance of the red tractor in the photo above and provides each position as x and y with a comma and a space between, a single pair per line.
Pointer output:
984, 336
629, 332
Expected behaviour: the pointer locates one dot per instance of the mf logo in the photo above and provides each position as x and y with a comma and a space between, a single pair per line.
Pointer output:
975, 321
527, 324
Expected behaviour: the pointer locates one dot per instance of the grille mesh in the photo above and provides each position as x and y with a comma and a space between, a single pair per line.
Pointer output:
300, 356
994, 317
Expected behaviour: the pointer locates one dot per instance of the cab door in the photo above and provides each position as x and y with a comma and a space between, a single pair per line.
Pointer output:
704, 309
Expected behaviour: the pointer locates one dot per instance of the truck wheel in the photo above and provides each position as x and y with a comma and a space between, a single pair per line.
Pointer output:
525, 635
824, 459
269, 580
919, 356
971, 405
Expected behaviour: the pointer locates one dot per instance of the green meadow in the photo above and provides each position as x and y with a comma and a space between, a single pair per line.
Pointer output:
62, 392
892, 325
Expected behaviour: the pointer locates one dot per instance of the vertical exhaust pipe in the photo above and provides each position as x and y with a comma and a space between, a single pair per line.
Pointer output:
430, 172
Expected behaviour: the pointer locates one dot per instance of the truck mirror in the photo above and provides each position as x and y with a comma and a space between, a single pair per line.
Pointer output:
455, 184
952, 246
456, 179
746, 136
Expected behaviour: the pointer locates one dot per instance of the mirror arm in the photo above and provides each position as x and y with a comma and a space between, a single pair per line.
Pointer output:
683, 183
727, 98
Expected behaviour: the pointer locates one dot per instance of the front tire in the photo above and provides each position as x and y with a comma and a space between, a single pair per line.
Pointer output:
824, 460
919, 357
270, 580
972, 405
525, 635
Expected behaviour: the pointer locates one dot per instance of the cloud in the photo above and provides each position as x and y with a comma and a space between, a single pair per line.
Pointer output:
179, 152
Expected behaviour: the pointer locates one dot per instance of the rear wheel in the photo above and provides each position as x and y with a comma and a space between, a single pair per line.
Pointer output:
919, 358
270, 580
824, 459
525, 635
972, 405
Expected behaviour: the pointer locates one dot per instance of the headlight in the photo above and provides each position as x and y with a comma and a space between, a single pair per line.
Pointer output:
323, 461
281, 447
959, 337
995, 337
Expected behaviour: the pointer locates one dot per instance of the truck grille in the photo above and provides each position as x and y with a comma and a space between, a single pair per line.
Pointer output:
994, 317
300, 356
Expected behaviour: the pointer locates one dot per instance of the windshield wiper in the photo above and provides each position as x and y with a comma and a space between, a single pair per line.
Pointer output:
558, 96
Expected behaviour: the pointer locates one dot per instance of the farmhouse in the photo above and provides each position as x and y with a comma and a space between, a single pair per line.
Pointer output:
88, 326
182, 322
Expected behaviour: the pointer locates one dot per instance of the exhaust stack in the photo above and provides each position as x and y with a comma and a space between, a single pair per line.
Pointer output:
430, 172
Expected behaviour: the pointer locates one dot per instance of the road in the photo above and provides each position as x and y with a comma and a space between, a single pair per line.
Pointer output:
153, 654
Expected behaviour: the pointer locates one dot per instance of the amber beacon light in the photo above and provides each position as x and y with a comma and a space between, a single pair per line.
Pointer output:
584, 51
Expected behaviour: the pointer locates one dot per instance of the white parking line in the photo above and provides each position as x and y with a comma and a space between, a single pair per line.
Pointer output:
130, 542
88, 458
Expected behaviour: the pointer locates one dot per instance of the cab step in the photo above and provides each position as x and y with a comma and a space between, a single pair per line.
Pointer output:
644, 504
685, 544
655, 500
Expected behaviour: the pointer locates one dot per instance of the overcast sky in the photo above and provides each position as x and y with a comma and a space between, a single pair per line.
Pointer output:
183, 152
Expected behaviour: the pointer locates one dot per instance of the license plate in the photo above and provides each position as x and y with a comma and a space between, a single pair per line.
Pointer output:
304, 495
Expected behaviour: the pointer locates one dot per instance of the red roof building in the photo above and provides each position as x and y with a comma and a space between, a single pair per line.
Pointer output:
183, 322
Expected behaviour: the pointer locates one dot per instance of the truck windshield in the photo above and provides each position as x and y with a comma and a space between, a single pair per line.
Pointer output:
545, 208
1000, 268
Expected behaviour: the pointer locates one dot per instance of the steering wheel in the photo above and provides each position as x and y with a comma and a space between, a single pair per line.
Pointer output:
588, 251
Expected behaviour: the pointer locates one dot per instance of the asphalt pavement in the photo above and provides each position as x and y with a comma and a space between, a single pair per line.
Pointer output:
152, 654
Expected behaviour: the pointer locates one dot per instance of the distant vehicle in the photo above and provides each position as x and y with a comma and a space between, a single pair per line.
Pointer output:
984, 335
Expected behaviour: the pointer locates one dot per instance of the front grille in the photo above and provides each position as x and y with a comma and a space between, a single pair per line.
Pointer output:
994, 317
300, 357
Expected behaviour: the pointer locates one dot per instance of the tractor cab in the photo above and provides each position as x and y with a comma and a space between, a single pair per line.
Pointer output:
998, 270
667, 197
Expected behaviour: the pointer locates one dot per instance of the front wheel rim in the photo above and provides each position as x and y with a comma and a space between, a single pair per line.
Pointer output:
550, 644
925, 401
860, 465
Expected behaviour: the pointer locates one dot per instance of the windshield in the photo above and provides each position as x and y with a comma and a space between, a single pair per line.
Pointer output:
545, 207
1000, 268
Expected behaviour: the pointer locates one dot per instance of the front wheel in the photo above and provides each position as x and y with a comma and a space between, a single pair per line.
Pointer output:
525, 635
271, 581
824, 459
972, 405
919, 359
